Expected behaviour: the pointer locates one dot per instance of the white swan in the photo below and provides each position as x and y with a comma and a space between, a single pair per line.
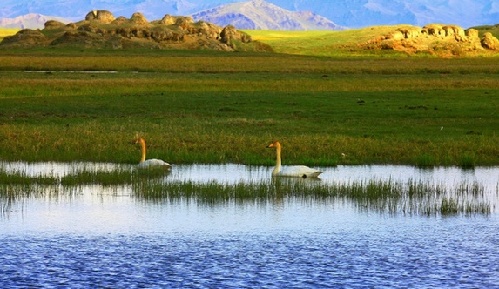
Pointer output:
291, 171
150, 162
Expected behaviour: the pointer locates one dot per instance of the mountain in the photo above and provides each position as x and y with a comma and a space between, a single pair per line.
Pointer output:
349, 13
361, 13
258, 14
31, 21
153, 9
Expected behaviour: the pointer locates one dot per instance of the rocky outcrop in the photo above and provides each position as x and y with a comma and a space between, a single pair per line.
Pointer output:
27, 37
489, 41
101, 29
433, 38
230, 34
101, 16
53, 24
138, 19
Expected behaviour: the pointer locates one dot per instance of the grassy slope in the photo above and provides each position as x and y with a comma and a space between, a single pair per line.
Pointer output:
7, 32
321, 43
494, 29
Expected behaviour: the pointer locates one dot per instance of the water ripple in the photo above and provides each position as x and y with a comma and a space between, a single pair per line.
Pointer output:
280, 260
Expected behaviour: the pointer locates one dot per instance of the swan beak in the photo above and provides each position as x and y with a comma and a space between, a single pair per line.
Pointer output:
270, 146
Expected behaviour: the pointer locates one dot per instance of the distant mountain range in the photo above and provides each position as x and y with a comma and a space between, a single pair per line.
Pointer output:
258, 14
31, 21
300, 14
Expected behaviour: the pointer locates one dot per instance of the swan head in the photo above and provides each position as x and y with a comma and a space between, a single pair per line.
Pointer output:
274, 144
138, 140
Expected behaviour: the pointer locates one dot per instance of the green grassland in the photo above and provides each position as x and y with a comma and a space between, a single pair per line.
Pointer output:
330, 105
217, 107
324, 42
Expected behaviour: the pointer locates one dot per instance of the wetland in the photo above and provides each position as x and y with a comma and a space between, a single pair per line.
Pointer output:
408, 146
234, 226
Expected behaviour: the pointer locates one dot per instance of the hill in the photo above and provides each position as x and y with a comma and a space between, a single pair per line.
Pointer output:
259, 14
100, 29
432, 39
493, 29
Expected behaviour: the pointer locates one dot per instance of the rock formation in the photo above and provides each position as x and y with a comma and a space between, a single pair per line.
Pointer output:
102, 16
101, 29
489, 41
433, 38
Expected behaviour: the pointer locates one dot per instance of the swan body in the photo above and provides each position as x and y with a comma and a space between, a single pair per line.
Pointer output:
153, 163
291, 171
150, 162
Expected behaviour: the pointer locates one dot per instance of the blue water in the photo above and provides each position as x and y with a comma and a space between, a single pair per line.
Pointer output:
105, 238
291, 245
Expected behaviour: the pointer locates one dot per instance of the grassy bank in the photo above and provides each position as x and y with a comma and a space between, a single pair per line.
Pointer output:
211, 107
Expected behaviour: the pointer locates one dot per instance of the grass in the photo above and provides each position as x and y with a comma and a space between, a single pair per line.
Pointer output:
4, 32
411, 198
323, 42
219, 107
374, 111
494, 29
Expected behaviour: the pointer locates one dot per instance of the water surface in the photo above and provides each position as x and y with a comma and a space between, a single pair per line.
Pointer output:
100, 236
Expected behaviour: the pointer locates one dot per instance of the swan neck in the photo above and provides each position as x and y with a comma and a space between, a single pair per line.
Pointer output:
277, 168
143, 149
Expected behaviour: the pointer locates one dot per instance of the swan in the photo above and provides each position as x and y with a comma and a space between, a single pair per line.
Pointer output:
291, 171
150, 162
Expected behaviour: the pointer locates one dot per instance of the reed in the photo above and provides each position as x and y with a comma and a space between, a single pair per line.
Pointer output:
413, 198
384, 196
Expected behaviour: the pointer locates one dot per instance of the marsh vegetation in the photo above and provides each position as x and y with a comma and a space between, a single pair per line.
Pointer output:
394, 196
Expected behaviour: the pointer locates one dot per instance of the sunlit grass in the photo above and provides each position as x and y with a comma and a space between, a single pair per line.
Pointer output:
4, 32
212, 107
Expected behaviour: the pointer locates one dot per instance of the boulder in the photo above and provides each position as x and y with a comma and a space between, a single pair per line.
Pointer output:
167, 20
435, 30
230, 33
138, 19
489, 41
120, 20
102, 16
53, 24
184, 23
472, 33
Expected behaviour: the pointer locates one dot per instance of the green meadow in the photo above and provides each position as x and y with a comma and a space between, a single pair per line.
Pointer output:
225, 107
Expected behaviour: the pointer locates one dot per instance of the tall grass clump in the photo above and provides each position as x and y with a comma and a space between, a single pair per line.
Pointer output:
384, 196
413, 198
468, 160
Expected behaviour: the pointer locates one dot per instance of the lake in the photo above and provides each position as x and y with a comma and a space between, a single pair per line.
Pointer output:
106, 236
